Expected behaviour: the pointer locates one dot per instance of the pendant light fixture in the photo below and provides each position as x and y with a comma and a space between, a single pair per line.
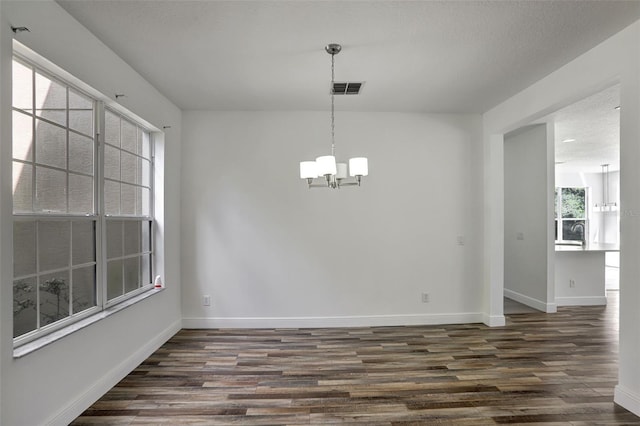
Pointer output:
334, 174
606, 205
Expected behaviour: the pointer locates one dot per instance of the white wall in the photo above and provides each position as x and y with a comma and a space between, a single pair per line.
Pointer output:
271, 252
616, 60
525, 216
55, 383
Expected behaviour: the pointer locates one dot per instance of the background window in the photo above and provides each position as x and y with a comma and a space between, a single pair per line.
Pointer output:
571, 214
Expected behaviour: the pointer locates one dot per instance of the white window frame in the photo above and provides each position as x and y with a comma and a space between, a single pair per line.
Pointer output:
559, 219
98, 216
105, 217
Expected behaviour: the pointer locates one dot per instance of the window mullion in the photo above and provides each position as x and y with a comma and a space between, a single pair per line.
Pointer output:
70, 290
101, 226
37, 283
68, 189
560, 220
34, 138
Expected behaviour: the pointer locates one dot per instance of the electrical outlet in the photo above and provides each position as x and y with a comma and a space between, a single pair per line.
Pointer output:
425, 297
572, 283
460, 240
206, 300
520, 236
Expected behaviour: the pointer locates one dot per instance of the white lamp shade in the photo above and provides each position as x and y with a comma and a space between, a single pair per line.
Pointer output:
326, 165
358, 166
308, 170
342, 171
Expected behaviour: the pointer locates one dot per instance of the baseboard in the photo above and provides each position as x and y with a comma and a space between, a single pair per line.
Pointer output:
581, 301
531, 302
627, 399
111, 378
338, 321
494, 320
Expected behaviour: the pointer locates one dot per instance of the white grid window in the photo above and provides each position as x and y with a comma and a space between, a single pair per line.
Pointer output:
80, 243
127, 205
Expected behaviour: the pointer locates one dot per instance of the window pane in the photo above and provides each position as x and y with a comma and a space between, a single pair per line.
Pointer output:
139, 201
129, 164
83, 242
22, 187
111, 128
24, 247
25, 315
114, 238
80, 154
144, 171
111, 162
84, 288
140, 142
114, 279
22, 136
51, 145
131, 274
80, 113
146, 236
53, 244
573, 203
146, 202
128, 200
146, 145
573, 230
132, 235
145, 269
80, 194
111, 197
22, 87
51, 100
54, 297
129, 136
51, 190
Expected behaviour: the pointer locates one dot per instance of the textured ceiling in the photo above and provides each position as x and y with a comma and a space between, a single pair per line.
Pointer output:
587, 133
431, 56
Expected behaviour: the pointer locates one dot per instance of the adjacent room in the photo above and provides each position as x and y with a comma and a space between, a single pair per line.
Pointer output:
284, 212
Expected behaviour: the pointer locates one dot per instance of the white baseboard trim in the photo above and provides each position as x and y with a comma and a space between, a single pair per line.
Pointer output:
627, 399
338, 321
494, 320
581, 301
531, 302
111, 378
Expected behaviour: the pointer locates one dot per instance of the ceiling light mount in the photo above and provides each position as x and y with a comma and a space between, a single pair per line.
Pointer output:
334, 174
333, 48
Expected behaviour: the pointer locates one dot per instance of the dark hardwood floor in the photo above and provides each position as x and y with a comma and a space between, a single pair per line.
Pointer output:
551, 369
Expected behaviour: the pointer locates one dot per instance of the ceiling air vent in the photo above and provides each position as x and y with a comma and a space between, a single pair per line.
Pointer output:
347, 88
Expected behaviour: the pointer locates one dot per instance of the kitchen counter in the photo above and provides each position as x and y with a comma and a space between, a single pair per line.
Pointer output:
579, 273
589, 247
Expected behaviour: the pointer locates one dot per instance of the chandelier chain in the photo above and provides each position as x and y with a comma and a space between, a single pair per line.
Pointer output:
333, 124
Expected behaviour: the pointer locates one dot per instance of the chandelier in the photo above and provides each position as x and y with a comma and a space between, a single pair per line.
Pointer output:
334, 174
606, 205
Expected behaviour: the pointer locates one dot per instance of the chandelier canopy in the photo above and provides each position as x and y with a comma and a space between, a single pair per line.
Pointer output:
334, 174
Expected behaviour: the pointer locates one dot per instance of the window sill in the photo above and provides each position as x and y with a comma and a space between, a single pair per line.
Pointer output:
43, 341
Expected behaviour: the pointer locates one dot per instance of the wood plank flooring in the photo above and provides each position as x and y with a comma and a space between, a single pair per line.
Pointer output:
551, 369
